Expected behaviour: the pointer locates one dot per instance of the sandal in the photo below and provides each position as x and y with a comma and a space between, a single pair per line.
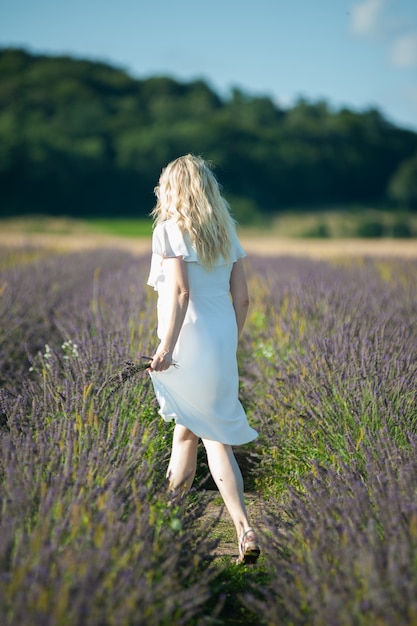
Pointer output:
249, 551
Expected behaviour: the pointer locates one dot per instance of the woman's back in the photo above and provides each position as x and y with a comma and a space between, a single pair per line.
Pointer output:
201, 393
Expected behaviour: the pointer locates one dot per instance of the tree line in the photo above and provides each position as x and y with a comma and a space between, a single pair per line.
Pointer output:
85, 139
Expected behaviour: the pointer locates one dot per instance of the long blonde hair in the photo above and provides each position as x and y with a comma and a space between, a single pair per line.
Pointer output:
189, 193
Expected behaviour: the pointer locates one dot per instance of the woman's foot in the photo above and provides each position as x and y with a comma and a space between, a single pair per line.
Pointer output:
249, 549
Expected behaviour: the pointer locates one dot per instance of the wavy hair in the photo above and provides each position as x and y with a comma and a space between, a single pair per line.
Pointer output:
189, 193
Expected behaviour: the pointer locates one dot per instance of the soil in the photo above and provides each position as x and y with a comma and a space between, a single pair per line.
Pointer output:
225, 529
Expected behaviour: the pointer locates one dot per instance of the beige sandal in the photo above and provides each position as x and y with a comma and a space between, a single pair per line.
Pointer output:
249, 551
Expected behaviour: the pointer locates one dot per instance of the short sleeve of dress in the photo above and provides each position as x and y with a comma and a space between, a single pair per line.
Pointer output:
168, 241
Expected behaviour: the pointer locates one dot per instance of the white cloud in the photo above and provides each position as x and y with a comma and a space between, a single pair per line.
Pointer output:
366, 17
283, 100
403, 51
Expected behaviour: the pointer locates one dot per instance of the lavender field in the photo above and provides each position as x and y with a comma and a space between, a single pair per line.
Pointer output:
88, 534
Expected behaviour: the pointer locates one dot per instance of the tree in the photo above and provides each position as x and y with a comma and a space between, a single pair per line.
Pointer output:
85, 138
402, 187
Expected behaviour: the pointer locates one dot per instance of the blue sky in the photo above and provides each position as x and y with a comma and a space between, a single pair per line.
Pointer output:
355, 53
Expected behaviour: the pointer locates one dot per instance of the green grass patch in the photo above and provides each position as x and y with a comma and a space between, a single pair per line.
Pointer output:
122, 227
39, 224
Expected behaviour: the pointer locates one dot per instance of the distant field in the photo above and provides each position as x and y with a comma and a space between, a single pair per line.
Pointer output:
287, 235
345, 222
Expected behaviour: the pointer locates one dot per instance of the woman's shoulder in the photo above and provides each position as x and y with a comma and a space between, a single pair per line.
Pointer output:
170, 241
166, 225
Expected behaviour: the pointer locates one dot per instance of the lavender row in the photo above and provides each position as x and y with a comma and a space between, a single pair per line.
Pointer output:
88, 534
331, 350
54, 298
329, 367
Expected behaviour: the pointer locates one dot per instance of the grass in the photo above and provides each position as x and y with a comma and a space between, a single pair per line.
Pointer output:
28, 225
122, 227
231, 585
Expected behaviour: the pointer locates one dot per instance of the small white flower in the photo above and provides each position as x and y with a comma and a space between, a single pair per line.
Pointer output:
70, 350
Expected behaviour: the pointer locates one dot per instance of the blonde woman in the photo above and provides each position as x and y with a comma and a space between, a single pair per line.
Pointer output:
196, 266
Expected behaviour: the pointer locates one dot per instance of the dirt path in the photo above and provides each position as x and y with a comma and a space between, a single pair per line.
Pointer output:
225, 529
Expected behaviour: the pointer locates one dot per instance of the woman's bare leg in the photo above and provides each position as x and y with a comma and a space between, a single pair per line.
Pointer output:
228, 478
183, 463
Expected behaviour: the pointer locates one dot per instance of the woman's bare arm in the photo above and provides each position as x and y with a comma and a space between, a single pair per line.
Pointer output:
239, 293
176, 274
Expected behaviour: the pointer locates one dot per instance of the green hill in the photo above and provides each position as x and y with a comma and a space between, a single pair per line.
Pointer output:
84, 139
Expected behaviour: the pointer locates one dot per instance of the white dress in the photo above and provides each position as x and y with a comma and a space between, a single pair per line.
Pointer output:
201, 393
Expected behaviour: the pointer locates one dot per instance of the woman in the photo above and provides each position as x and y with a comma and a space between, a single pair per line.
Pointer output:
196, 266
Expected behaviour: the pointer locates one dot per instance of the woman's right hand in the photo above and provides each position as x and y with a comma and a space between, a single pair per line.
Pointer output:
162, 360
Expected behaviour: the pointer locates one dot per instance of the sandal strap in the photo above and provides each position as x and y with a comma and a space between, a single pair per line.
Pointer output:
248, 549
245, 542
249, 530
